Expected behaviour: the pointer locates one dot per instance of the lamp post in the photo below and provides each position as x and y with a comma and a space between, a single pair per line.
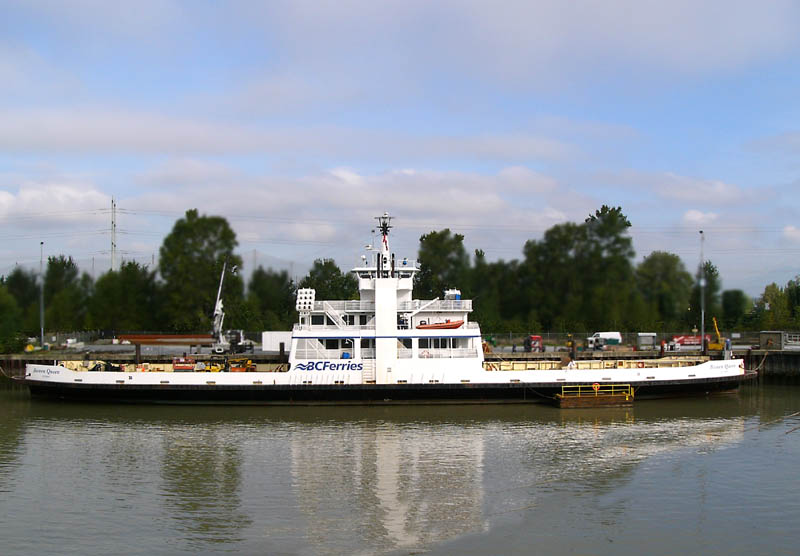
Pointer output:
41, 293
702, 294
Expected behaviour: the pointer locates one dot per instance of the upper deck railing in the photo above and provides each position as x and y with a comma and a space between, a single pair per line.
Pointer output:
355, 306
440, 305
353, 328
346, 306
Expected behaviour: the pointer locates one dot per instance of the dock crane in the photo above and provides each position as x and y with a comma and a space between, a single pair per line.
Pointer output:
720, 343
229, 340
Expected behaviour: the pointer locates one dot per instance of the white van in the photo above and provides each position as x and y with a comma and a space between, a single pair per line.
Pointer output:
600, 339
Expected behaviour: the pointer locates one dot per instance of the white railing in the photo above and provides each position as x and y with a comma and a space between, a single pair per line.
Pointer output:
403, 353
343, 328
458, 353
441, 305
345, 306
322, 353
367, 353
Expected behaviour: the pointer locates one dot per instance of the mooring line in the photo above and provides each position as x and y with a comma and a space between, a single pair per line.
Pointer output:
762, 361
795, 414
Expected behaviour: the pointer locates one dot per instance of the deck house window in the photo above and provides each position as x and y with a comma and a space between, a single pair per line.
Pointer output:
440, 343
367, 348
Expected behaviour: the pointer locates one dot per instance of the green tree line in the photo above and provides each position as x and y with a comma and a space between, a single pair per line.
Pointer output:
577, 277
582, 277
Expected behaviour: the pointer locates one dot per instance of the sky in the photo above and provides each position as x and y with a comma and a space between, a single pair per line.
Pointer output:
300, 121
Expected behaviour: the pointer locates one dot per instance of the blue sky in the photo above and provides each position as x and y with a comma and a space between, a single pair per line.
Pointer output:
300, 121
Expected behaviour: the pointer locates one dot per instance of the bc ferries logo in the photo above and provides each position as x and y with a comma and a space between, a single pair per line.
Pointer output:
329, 366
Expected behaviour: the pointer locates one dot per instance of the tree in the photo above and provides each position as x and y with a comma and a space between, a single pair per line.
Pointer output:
793, 298
551, 283
444, 263
665, 286
61, 274
23, 286
734, 308
329, 282
10, 337
190, 261
580, 276
495, 289
272, 294
608, 270
776, 314
65, 295
125, 300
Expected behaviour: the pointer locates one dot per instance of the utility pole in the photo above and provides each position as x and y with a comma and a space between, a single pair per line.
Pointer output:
41, 293
113, 234
702, 294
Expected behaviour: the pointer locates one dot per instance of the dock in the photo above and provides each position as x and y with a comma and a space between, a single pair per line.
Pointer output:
594, 395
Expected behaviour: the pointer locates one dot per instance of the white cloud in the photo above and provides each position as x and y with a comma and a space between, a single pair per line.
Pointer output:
522, 179
178, 172
537, 41
347, 176
675, 187
47, 204
792, 233
685, 188
328, 207
694, 217
400, 43
111, 131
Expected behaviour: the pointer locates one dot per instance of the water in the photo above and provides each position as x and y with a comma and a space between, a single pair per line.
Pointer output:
712, 476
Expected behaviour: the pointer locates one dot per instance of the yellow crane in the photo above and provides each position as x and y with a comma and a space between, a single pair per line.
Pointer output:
720, 343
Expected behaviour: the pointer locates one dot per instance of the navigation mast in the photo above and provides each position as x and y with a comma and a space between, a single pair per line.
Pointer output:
386, 257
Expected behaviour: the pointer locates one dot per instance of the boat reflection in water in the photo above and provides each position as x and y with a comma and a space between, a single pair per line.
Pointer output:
326, 480
404, 486
202, 485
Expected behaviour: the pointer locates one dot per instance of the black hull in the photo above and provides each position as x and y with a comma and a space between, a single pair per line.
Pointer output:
361, 394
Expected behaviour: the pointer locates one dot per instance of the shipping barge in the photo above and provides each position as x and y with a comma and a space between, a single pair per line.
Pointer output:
384, 348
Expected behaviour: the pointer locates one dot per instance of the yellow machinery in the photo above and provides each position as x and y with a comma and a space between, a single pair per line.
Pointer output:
720, 343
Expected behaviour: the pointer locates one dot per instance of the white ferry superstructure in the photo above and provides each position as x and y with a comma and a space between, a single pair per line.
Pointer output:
386, 335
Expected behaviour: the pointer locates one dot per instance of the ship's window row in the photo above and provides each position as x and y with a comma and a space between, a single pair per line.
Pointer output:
352, 348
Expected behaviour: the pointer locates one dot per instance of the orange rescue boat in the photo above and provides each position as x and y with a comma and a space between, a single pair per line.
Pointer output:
441, 325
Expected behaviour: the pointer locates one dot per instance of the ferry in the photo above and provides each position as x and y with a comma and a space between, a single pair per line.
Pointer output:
384, 348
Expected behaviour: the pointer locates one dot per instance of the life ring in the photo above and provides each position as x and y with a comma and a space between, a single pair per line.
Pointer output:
425, 353
492, 366
596, 386
640, 364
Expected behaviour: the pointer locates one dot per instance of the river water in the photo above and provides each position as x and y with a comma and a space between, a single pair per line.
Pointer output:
715, 476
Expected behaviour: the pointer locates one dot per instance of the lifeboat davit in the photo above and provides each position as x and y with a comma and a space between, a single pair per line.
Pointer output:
441, 325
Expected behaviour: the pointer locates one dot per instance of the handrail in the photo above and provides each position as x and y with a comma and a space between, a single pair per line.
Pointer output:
596, 389
435, 305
